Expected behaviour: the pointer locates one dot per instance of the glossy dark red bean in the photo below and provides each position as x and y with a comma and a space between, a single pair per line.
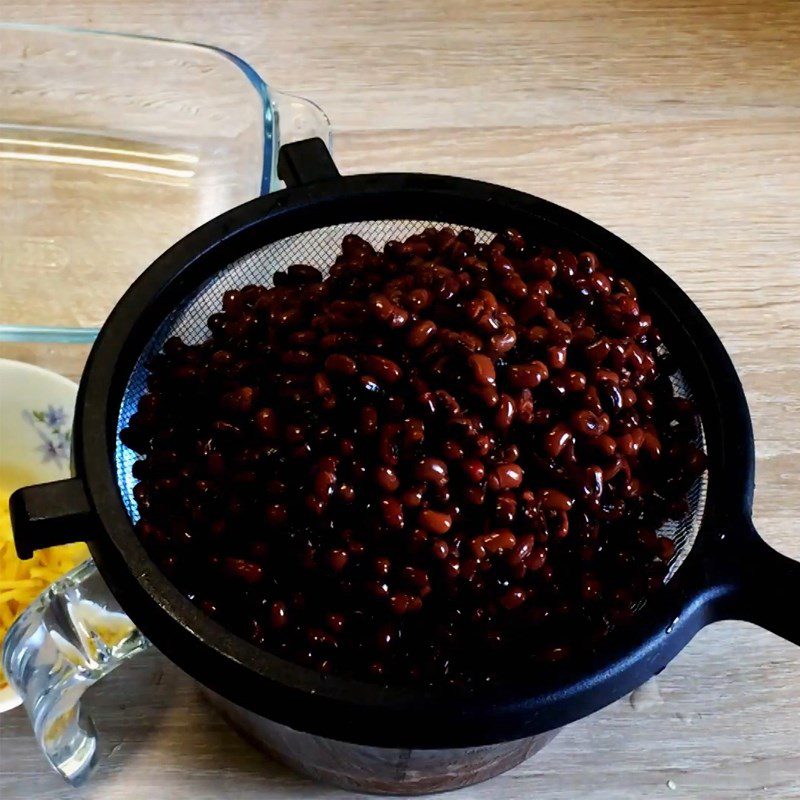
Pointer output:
556, 439
629, 443
505, 508
421, 333
433, 470
513, 598
440, 549
474, 470
502, 343
388, 444
557, 356
651, 445
304, 273
277, 514
591, 588
587, 423
488, 396
412, 497
482, 367
340, 364
399, 603
543, 268
337, 559
392, 511
245, 571
667, 548
346, 492
504, 413
335, 622
527, 376
452, 450
505, 476
418, 299
381, 307
554, 500
369, 421
384, 369
278, 615
387, 479
499, 541
437, 522
537, 559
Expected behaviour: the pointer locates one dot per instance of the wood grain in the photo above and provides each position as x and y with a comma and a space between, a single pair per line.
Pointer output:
675, 124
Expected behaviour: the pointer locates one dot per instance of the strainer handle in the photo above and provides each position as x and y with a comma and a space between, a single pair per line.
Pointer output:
767, 587
72, 636
50, 514
306, 161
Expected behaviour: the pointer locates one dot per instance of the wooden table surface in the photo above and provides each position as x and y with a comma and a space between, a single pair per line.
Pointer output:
675, 124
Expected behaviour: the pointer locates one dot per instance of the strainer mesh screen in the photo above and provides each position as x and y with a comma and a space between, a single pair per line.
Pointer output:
319, 248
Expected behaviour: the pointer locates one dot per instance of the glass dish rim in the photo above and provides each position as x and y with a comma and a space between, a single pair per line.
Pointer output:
268, 99
254, 79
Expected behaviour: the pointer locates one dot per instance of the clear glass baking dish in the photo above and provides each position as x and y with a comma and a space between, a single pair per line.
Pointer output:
112, 147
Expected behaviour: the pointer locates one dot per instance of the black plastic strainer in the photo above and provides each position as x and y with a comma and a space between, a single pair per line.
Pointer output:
721, 568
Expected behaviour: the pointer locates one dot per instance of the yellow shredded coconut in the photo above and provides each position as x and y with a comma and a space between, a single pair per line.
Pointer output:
21, 582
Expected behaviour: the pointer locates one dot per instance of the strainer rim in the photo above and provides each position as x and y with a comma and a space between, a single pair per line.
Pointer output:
495, 714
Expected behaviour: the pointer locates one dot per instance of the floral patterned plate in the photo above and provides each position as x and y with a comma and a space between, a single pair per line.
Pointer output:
36, 408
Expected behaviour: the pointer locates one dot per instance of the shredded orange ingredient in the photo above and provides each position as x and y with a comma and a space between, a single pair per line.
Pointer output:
21, 582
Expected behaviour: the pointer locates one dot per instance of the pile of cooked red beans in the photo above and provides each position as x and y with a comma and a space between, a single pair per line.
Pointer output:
446, 461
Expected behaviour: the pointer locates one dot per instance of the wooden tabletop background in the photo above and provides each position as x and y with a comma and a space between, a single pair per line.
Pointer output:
676, 125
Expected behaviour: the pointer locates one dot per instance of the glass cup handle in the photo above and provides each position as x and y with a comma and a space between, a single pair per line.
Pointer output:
297, 118
68, 639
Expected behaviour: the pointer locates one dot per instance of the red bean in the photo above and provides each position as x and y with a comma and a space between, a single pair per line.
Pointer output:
667, 548
392, 510
629, 443
387, 444
505, 476
381, 307
440, 549
474, 470
527, 376
482, 369
504, 414
452, 450
537, 559
505, 508
278, 614
590, 588
432, 470
369, 421
502, 343
277, 514
421, 333
543, 268
346, 492
412, 498
554, 500
499, 541
418, 299
339, 364
556, 440
245, 571
335, 622
651, 445
587, 423
436, 522
337, 559
387, 479
382, 368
